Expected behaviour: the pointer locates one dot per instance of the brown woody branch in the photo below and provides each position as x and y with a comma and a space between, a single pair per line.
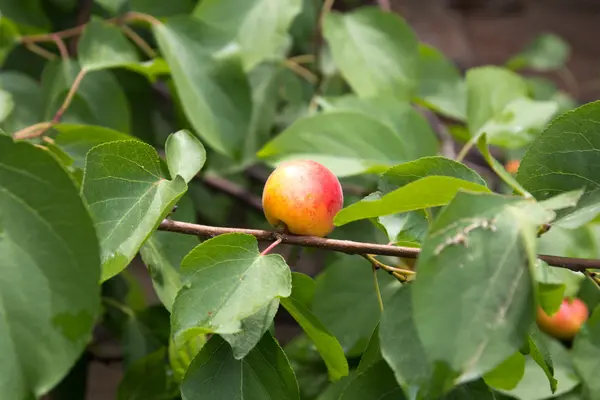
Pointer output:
347, 246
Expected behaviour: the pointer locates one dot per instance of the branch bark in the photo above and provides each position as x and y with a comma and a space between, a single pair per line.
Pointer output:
347, 246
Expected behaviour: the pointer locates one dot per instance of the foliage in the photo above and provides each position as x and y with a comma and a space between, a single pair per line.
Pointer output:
165, 110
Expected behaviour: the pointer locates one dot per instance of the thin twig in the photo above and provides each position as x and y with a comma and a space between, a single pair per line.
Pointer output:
234, 190
31, 131
271, 247
303, 58
347, 246
40, 51
62, 48
301, 71
384, 5
139, 41
70, 95
377, 290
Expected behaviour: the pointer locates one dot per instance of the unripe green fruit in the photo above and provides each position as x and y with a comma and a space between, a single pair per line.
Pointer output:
305, 196
566, 322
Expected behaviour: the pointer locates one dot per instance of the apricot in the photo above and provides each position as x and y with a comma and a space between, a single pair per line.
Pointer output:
512, 166
566, 322
303, 196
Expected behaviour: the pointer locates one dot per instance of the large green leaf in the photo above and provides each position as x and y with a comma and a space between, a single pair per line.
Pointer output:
498, 105
479, 252
77, 140
347, 284
265, 81
163, 8
100, 99
403, 350
328, 346
212, 86
103, 45
565, 158
376, 52
252, 330
29, 13
534, 385
537, 349
226, 280
163, 252
546, 52
6, 104
441, 87
430, 191
507, 374
339, 141
551, 288
264, 374
260, 27
586, 355
128, 193
418, 138
25, 98
51, 266
148, 379
377, 382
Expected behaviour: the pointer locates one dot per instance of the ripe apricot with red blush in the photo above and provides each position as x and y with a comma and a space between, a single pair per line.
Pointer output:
566, 322
304, 196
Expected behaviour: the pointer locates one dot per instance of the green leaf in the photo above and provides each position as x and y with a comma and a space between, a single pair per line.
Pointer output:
338, 141
6, 104
481, 246
547, 52
489, 91
100, 99
372, 353
148, 379
181, 354
534, 385
376, 52
253, 328
128, 194
213, 89
377, 382
226, 280
498, 168
403, 174
51, 266
77, 140
30, 14
265, 80
9, 35
263, 374
259, 27
25, 98
431, 191
498, 106
551, 288
519, 123
441, 87
185, 155
538, 351
347, 284
145, 331
563, 159
103, 45
507, 374
401, 347
163, 252
162, 9
586, 355
418, 137
329, 348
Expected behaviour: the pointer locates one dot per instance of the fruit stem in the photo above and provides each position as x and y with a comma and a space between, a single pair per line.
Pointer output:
271, 246
377, 290
378, 264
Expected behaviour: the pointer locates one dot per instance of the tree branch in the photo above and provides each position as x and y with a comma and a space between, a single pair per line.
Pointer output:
347, 246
